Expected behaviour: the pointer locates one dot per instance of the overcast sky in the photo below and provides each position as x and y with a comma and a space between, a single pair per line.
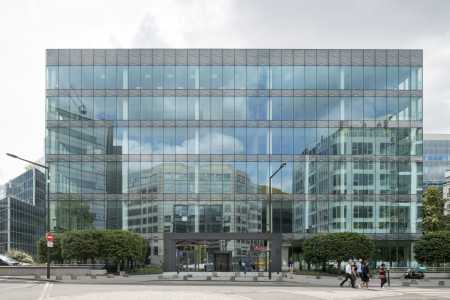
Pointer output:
27, 28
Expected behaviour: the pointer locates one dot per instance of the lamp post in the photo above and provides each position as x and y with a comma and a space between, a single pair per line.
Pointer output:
269, 230
47, 171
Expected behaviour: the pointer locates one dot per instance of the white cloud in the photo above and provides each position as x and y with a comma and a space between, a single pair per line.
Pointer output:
29, 27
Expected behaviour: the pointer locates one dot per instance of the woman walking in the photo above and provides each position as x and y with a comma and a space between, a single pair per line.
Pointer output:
382, 275
365, 274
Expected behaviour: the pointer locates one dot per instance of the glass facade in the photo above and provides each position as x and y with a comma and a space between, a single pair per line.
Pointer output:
184, 140
436, 158
22, 212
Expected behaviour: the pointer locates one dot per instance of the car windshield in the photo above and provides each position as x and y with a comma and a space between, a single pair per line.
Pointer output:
8, 260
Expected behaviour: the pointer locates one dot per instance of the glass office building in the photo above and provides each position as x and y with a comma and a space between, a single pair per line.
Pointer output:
22, 212
179, 144
436, 158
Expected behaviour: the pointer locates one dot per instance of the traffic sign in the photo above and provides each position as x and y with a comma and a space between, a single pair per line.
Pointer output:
50, 244
50, 238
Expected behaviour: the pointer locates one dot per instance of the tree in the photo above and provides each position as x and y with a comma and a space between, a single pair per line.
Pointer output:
338, 247
433, 247
433, 210
81, 245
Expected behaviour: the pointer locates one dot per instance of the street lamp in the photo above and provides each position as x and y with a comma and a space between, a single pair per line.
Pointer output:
47, 171
269, 223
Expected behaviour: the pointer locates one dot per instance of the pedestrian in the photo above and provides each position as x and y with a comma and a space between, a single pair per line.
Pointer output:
348, 275
365, 274
382, 275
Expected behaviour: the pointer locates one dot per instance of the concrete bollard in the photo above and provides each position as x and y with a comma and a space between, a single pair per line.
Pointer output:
59, 277
160, 277
185, 277
280, 278
208, 277
414, 281
214, 274
441, 282
233, 278
37, 276
255, 278
93, 276
405, 283
426, 279
73, 277
260, 274
109, 275
317, 276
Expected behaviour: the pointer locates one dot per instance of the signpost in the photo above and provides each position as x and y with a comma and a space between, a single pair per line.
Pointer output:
50, 240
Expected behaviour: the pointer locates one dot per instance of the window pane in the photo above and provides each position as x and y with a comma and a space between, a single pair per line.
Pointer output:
299, 77
169, 77
392, 78
158, 108
299, 108
380, 108
193, 77
369, 108
169, 108
204, 108
110, 108
87, 77
75, 77
310, 108
181, 77
216, 77
322, 108
122, 108
288, 108
216, 108
310, 77
240, 108
111, 74
357, 108
146, 108
404, 108
322, 77
275, 77
158, 77
263, 77
416, 78
204, 77
276, 108
240, 77
228, 77
357, 78
381, 79
288, 77
404, 78
64, 77
252, 77
134, 108
228, 108
181, 108
52, 77
134, 77
146, 77
369, 78
122, 77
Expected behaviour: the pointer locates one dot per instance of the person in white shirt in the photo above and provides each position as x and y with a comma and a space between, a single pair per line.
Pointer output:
349, 275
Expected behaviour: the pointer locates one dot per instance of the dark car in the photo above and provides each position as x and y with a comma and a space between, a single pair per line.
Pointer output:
8, 261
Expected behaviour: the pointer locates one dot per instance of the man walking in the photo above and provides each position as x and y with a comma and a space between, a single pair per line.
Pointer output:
349, 274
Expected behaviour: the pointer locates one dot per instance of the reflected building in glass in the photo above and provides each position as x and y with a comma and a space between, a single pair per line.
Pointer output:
436, 158
181, 143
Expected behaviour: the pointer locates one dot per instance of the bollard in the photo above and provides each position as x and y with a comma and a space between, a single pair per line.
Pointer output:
73, 276
214, 274
59, 277
208, 277
37, 276
414, 281
93, 276
260, 274
109, 275
280, 278
441, 282
404, 283
233, 278
317, 276
255, 278
185, 277
160, 277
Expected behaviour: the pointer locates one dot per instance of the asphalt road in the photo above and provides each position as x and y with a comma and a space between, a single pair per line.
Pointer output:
21, 290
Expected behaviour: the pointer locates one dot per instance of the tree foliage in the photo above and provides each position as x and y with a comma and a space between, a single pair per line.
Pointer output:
433, 210
433, 247
116, 246
337, 247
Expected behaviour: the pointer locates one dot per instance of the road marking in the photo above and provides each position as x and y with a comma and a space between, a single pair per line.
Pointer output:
46, 291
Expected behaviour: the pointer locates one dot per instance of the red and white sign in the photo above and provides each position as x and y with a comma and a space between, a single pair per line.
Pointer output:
50, 238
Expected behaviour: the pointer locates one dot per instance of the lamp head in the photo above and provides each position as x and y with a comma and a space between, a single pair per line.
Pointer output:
283, 164
12, 155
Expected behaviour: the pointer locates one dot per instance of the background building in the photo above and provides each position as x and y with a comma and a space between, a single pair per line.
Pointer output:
178, 145
22, 212
436, 158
